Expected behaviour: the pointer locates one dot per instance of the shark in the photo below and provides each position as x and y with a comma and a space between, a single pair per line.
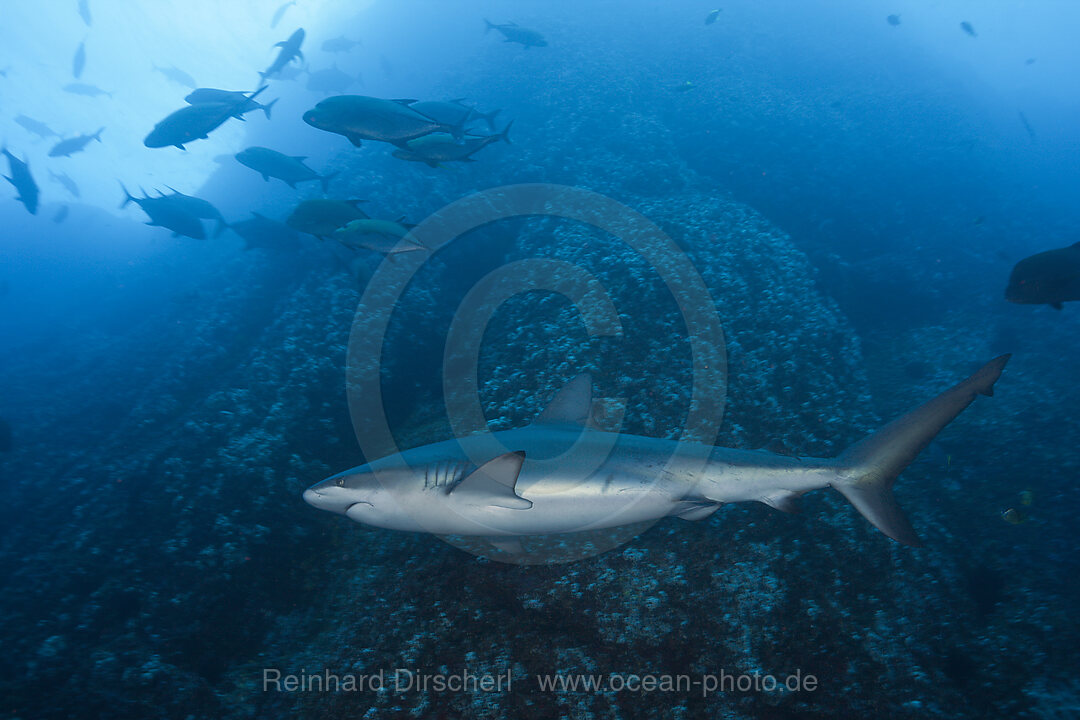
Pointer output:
560, 474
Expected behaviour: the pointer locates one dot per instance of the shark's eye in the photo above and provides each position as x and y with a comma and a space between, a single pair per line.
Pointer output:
341, 481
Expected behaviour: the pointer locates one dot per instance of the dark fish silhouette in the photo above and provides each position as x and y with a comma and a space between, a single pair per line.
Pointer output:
78, 88
893, 20
244, 103
177, 75
290, 50
198, 207
61, 214
280, 13
79, 61
331, 80
359, 117
67, 182
339, 44
66, 148
36, 127
322, 217
512, 32
84, 12
1027, 125
194, 122
167, 214
966, 27
260, 231
1047, 278
439, 148
23, 181
288, 168
712, 16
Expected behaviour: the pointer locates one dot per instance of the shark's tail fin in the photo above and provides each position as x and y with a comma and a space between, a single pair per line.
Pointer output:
869, 468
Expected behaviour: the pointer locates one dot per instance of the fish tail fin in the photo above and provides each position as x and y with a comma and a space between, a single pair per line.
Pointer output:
869, 468
268, 107
127, 197
489, 118
505, 134
325, 180
489, 26
97, 135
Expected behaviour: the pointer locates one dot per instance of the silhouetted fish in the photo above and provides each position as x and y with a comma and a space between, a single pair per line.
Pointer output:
711, 17
966, 27
280, 13
61, 214
23, 181
1047, 278
79, 61
512, 32
68, 147
78, 88
339, 44
177, 75
66, 181
36, 127
84, 12
260, 231
290, 50
893, 20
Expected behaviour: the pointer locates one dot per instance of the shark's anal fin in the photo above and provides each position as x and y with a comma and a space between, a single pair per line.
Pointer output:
572, 404
695, 509
783, 500
493, 483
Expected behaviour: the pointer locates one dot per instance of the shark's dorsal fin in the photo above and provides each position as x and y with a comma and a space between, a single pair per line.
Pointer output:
493, 483
572, 404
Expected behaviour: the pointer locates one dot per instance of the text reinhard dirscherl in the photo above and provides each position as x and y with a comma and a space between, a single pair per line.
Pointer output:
405, 680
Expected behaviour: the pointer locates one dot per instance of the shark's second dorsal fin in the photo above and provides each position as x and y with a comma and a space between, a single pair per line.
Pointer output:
493, 483
571, 405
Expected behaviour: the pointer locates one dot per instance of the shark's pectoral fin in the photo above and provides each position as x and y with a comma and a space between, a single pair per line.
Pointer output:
493, 483
784, 501
572, 404
510, 545
695, 509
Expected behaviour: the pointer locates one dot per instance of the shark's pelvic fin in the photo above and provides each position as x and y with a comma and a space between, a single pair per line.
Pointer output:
869, 468
571, 405
696, 510
493, 483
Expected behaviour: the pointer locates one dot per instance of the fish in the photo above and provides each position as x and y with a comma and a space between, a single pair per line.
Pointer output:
84, 12
259, 231
966, 27
322, 217
454, 113
67, 182
280, 13
1047, 278
339, 44
560, 474
290, 50
893, 20
194, 122
359, 117
242, 101
682, 87
79, 61
6, 442
61, 214
78, 88
381, 236
177, 75
512, 32
1027, 126
198, 207
290, 169
36, 127
23, 181
169, 215
712, 16
332, 80
66, 148
439, 148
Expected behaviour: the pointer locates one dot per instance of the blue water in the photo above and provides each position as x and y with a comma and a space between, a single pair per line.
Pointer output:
850, 195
